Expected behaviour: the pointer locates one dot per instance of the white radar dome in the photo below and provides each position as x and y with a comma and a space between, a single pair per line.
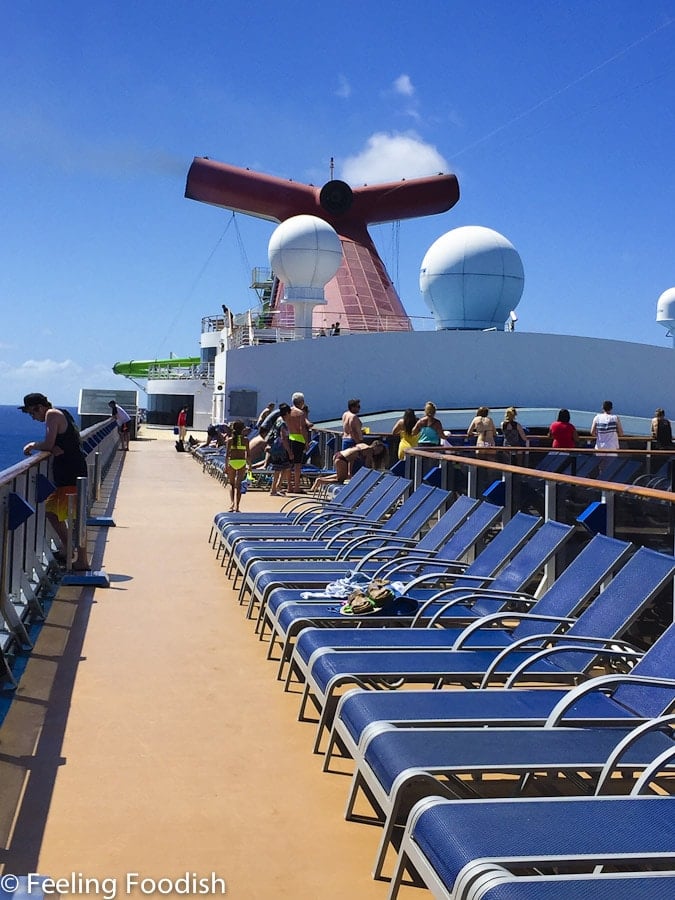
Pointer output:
471, 278
665, 309
305, 253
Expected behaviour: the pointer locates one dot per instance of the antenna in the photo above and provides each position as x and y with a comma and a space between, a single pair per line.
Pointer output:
332, 167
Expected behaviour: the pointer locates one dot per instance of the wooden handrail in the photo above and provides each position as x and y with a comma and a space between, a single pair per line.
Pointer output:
595, 484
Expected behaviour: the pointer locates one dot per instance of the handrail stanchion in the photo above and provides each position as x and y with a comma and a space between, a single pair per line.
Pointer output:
472, 482
69, 532
508, 497
81, 521
97, 476
550, 509
608, 498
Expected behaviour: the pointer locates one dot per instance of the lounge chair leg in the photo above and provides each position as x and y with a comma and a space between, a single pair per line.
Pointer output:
289, 675
397, 878
357, 782
332, 741
383, 846
285, 657
261, 629
303, 705
324, 721
261, 614
273, 641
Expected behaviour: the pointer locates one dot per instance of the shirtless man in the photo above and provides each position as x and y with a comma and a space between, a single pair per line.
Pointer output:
298, 436
352, 432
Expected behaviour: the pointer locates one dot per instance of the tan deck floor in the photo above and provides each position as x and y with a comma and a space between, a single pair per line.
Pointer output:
149, 733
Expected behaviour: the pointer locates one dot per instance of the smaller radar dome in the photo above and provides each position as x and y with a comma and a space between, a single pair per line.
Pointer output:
665, 310
305, 253
471, 278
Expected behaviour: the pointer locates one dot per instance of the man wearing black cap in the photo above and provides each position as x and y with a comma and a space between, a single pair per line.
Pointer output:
62, 440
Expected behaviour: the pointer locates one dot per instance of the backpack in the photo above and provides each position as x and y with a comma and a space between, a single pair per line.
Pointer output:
276, 445
180, 447
511, 435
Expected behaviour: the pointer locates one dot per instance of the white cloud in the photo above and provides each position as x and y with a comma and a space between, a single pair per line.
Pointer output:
344, 88
48, 366
403, 85
390, 157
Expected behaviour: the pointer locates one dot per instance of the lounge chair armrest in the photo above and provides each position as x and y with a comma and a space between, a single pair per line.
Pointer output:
388, 554
368, 531
425, 560
347, 536
467, 597
355, 544
605, 647
403, 553
493, 619
603, 682
338, 524
298, 507
412, 558
655, 766
394, 543
349, 521
629, 740
435, 576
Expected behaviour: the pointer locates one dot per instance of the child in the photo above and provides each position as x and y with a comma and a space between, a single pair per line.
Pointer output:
237, 462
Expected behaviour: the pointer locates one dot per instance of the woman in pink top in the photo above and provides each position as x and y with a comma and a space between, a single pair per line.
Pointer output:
562, 431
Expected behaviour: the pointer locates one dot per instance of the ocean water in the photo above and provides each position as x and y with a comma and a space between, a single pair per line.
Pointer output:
16, 430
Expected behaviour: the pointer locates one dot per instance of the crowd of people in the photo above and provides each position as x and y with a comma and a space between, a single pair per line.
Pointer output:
278, 440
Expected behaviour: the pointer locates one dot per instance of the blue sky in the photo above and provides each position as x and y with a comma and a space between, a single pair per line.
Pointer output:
557, 117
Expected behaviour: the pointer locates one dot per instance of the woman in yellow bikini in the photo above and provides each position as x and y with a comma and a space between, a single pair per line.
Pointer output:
237, 462
404, 428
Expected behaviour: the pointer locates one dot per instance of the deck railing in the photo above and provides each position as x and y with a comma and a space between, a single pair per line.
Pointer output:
26, 560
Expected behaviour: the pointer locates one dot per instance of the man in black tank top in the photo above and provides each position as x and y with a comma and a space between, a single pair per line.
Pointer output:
62, 440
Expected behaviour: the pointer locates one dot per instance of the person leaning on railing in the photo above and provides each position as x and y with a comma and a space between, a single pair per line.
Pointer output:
62, 440
662, 433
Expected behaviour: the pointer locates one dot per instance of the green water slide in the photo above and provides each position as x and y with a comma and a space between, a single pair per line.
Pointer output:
139, 368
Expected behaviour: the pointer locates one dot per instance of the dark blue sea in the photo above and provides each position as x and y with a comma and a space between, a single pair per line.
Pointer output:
16, 430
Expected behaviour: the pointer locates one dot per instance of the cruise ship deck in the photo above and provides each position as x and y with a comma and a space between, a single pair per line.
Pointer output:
149, 734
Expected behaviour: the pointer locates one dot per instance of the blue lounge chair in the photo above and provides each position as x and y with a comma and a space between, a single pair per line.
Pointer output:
612, 613
608, 699
460, 527
392, 557
317, 574
503, 885
287, 613
442, 571
378, 501
508, 563
405, 523
398, 766
563, 600
259, 578
300, 509
450, 843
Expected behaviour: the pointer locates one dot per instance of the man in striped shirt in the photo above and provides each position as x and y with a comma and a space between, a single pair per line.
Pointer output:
606, 428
